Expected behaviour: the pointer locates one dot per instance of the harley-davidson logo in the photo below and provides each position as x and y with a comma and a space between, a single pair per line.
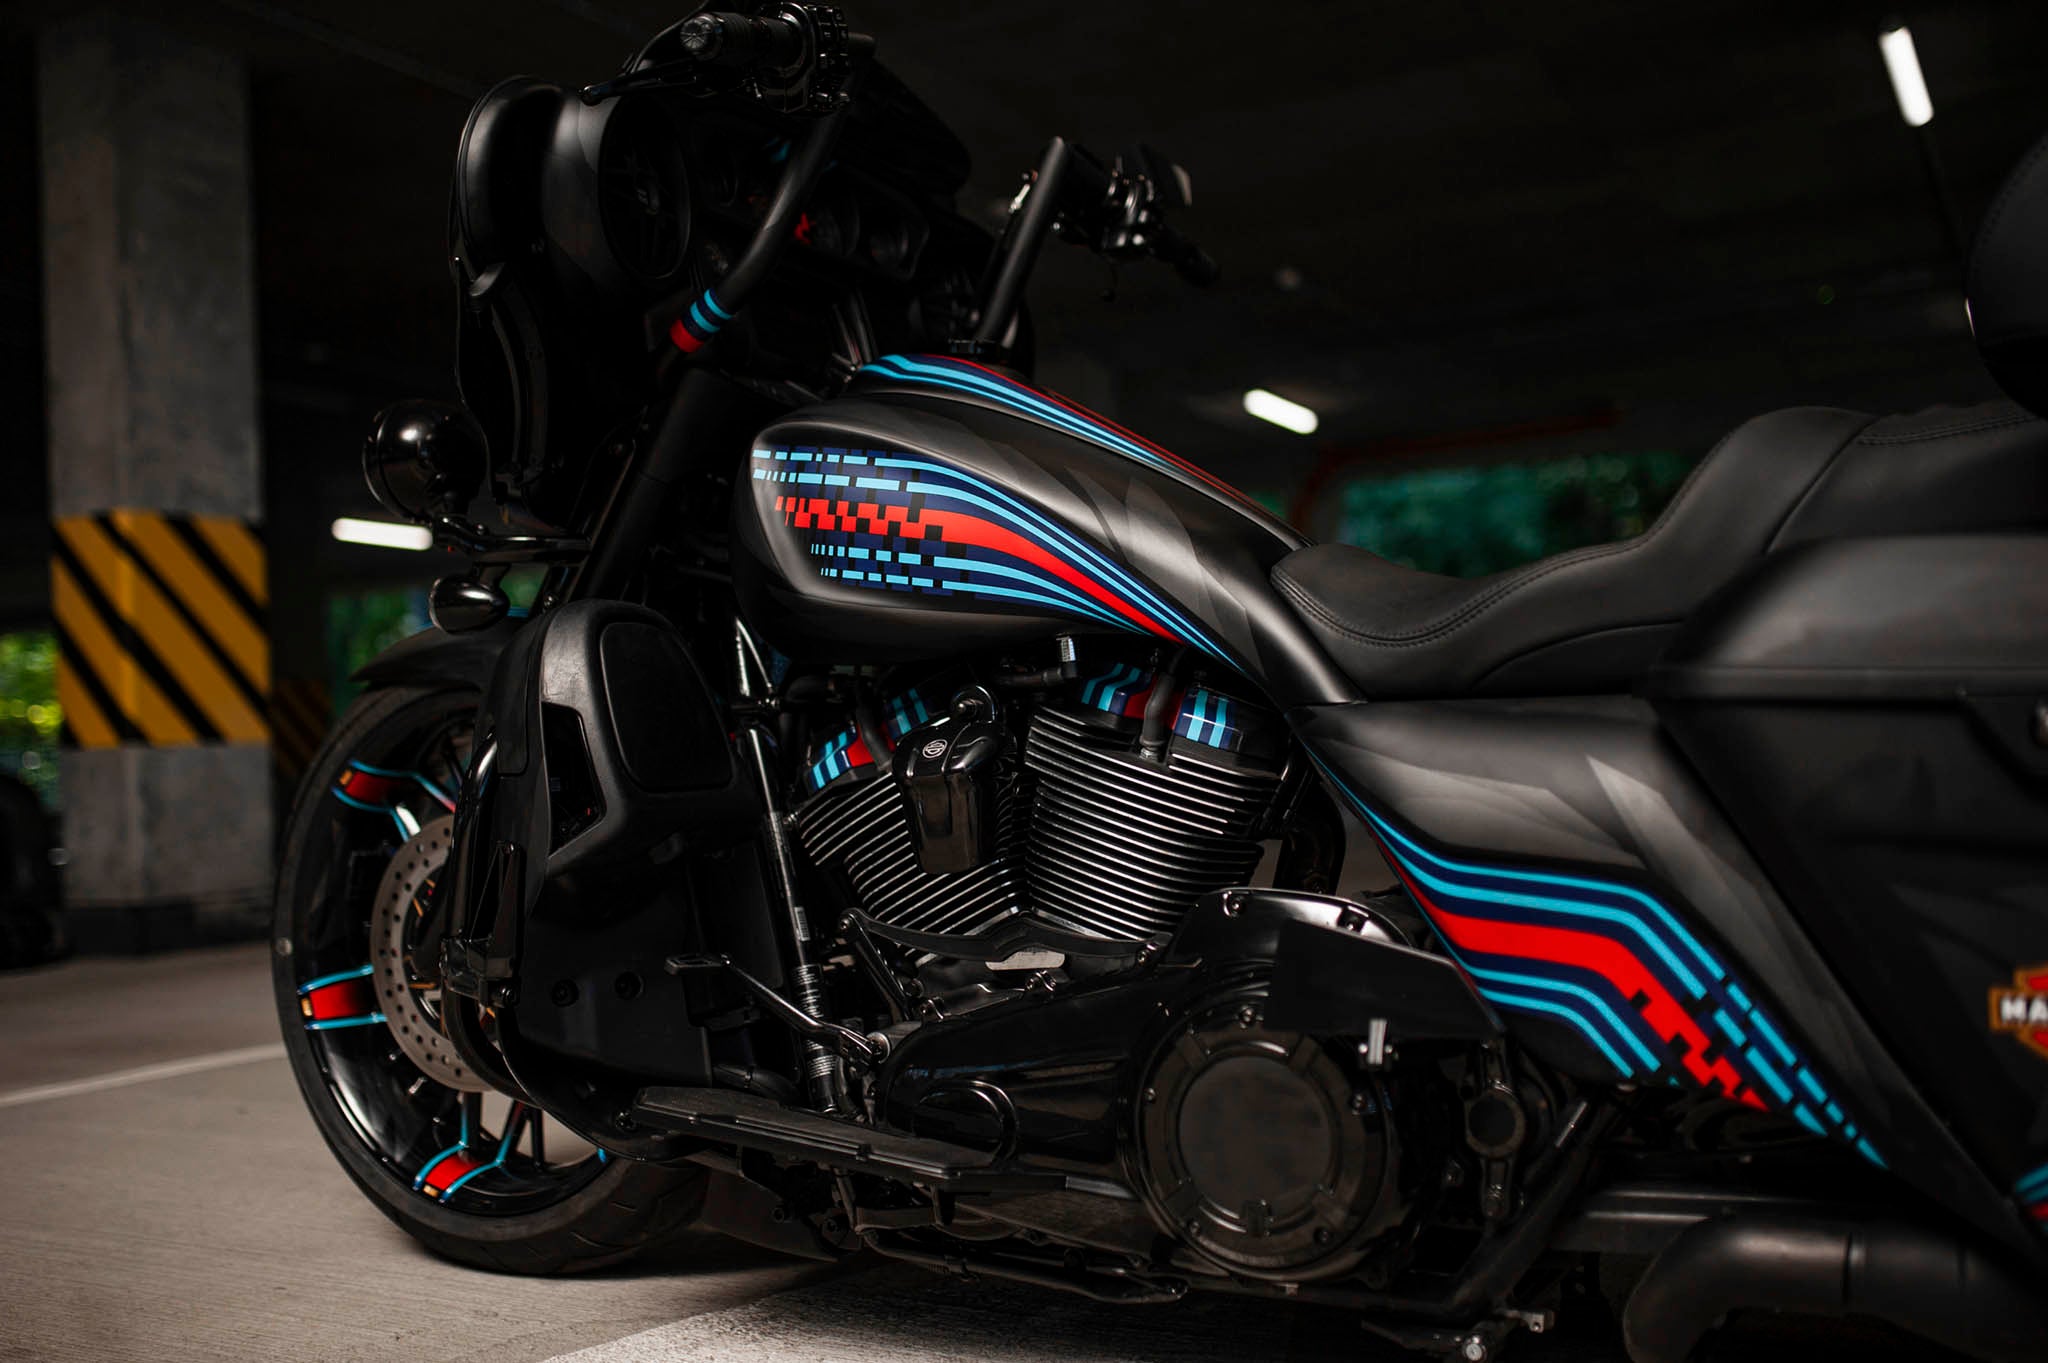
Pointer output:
2022, 1009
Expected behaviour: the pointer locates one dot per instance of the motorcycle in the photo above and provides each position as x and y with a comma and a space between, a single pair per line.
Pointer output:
909, 818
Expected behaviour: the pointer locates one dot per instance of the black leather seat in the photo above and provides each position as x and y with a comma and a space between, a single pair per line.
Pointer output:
1593, 620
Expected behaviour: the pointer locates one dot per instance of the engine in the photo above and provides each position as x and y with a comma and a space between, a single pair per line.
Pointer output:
1089, 820
1127, 805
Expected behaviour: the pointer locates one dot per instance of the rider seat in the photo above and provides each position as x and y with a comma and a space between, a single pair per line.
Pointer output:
1591, 621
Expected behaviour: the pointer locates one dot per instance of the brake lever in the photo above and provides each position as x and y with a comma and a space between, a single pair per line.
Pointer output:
686, 74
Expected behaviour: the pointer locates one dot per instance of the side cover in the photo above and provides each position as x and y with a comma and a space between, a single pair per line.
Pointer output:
1874, 715
942, 507
1571, 861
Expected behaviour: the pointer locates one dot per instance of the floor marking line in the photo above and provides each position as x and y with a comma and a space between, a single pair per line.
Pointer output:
169, 1069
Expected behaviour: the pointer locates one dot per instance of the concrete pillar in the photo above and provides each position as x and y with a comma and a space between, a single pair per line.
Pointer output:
158, 583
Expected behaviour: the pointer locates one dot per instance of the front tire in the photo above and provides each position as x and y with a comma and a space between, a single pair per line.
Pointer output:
517, 1193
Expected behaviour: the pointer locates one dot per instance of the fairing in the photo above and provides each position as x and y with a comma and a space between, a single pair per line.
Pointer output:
942, 507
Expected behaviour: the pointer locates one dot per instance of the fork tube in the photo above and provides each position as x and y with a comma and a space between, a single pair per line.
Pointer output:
822, 1073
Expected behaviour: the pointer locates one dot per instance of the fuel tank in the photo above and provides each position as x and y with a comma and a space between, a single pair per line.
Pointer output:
941, 507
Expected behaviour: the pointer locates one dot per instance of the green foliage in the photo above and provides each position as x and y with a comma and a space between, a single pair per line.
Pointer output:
29, 714
522, 585
361, 625
1468, 522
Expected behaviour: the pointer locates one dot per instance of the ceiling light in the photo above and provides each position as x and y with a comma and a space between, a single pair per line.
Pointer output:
1903, 62
1278, 410
383, 534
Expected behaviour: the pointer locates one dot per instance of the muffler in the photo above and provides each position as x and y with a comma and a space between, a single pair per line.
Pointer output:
1922, 1280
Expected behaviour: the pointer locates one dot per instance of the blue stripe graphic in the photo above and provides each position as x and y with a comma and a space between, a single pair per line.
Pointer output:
962, 379
359, 973
954, 488
336, 1024
1502, 894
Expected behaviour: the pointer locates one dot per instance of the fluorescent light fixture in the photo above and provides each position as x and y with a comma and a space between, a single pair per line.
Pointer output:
1915, 106
383, 534
1278, 410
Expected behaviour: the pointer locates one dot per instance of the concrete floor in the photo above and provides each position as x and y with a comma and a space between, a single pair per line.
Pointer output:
164, 1197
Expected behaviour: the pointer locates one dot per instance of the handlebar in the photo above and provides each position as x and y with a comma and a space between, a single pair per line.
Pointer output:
727, 39
1115, 210
797, 60
1188, 260
801, 59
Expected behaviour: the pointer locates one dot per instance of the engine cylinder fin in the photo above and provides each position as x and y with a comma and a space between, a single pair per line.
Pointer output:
1140, 873
1122, 847
866, 832
1110, 841
1107, 790
1220, 805
1090, 837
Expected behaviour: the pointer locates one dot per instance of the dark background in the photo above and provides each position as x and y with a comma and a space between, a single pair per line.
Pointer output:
1462, 232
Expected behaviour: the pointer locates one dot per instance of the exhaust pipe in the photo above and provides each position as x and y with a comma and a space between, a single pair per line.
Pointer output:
1924, 1281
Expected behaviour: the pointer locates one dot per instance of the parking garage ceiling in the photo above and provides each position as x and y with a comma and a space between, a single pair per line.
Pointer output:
1449, 216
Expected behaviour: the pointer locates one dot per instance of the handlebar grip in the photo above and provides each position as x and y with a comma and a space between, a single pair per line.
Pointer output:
725, 39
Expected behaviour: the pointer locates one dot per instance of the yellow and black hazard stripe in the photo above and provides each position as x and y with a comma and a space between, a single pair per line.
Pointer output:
301, 710
160, 630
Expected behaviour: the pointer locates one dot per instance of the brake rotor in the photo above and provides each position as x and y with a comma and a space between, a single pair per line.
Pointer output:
409, 991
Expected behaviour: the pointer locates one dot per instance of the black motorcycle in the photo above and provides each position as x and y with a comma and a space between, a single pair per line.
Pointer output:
909, 816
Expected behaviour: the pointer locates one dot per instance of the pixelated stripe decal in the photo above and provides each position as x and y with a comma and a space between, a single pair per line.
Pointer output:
839, 756
906, 712
1201, 715
847, 751
1123, 690
1616, 965
891, 521
1208, 718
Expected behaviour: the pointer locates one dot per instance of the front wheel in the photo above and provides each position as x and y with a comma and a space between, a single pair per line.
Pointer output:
474, 1175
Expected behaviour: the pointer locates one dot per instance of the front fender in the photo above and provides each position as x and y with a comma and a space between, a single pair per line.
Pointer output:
434, 656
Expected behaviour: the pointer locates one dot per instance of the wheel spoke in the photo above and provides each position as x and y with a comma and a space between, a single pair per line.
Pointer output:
534, 1145
439, 1142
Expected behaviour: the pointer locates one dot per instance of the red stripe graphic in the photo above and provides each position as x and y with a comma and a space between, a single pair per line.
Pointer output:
1185, 465
370, 788
450, 1171
1590, 951
342, 999
817, 513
